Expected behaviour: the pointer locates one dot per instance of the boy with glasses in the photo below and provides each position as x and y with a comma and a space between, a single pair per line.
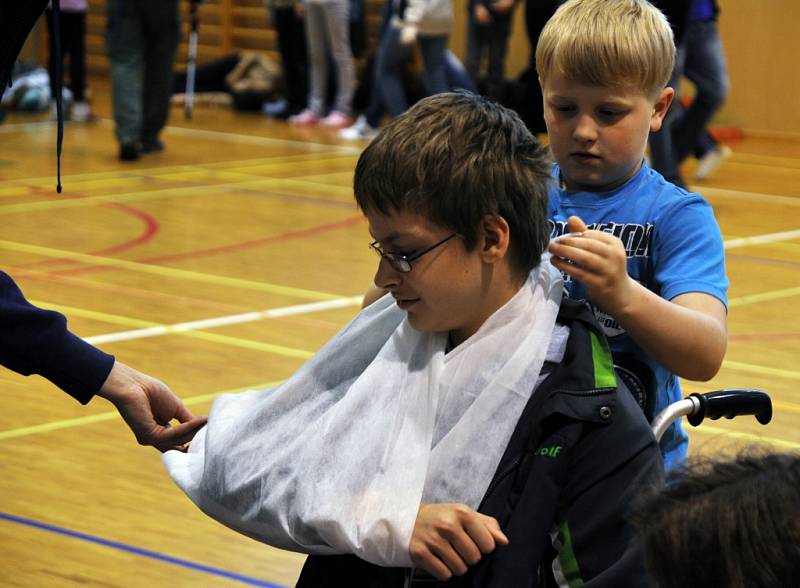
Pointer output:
468, 423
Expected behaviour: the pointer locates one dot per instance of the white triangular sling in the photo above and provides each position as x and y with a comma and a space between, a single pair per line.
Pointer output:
338, 458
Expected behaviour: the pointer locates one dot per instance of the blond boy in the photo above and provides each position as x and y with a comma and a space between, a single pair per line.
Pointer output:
647, 255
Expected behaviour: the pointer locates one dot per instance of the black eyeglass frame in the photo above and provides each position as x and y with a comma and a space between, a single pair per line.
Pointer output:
402, 263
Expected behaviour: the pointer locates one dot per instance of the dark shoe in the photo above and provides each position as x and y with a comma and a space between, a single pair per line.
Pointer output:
152, 146
128, 152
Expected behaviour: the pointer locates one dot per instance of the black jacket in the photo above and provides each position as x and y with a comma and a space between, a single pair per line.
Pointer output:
36, 341
578, 456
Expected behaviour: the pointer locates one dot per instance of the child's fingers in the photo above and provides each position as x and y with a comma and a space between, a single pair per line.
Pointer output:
576, 225
573, 270
578, 251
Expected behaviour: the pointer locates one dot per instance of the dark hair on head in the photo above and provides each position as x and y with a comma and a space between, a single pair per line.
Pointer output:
732, 523
455, 158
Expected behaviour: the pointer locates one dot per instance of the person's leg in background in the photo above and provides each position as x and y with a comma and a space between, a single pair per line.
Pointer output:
391, 59
457, 76
125, 44
499, 32
316, 44
706, 68
434, 50
663, 156
80, 110
338, 32
476, 47
162, 34
294, 57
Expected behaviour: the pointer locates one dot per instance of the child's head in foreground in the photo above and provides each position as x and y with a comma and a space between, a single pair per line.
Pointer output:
727, 522
604, 66
455, 192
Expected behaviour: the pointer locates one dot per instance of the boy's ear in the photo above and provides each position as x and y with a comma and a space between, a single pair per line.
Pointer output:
495, 235
660, 108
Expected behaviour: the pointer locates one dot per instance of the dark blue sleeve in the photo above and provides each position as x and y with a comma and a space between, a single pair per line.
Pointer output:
36, 341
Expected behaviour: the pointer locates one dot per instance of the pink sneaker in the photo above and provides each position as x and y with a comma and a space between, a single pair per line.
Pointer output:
336, 120
305, 118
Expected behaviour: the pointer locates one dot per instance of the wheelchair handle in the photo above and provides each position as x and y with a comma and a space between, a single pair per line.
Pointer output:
732, 403
713, 405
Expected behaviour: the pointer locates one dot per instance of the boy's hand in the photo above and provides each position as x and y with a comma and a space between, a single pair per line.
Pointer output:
448, 538
598, 260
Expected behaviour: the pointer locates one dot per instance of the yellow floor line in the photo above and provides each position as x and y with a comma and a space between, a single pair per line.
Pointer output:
760, 369
160, 270
763, 297
742, 436
109, 416
155, 172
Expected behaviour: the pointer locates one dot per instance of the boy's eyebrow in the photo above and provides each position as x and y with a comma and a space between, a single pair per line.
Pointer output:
391, 237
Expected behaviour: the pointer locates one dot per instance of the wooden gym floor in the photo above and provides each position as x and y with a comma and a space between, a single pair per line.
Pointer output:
156, 262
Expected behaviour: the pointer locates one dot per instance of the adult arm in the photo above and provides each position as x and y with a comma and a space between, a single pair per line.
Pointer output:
37, 341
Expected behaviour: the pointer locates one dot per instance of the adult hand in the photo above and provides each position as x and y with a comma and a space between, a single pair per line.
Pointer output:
598, 260
447, 538
502, 6
482, 15
147, 406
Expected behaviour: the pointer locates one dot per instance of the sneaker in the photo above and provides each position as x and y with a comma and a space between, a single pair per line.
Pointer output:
305, 118
151, 146
711, 161
336, 120
276, 108
128, 151
81, 112
360, 131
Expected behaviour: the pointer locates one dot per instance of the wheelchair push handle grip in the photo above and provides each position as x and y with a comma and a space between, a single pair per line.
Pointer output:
730, 404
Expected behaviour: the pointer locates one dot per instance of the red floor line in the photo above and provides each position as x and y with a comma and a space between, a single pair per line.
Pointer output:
227, 248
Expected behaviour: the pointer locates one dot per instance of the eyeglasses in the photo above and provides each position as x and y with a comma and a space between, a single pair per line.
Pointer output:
402, 263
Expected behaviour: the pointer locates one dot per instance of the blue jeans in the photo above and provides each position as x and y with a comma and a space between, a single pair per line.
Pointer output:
702, 60
391, 59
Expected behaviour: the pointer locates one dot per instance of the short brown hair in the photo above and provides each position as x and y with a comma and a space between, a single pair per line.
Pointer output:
455, 158
609, 43
725, 522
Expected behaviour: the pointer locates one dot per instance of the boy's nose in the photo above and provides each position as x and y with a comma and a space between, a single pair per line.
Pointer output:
387, 277
585, 129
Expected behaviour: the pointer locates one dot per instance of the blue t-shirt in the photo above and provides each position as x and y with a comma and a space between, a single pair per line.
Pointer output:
674, 246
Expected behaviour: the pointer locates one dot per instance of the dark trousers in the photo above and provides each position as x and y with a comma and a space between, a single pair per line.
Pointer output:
491, 39
72, 31
142, 37
294, 58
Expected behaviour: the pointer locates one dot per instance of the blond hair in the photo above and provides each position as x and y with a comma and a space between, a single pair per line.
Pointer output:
612, 43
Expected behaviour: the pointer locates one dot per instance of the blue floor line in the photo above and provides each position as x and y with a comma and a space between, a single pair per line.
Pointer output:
139, 551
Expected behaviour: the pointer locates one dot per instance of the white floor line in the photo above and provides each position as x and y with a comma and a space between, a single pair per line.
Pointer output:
222, 321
